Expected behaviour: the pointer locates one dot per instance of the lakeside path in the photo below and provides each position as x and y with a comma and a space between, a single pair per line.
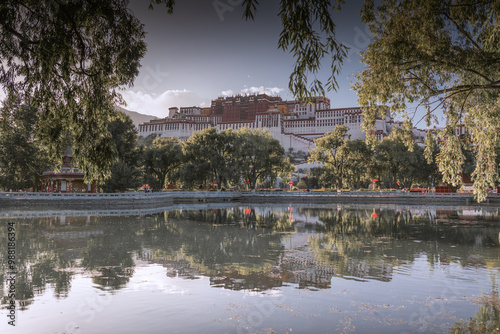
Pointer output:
164, 199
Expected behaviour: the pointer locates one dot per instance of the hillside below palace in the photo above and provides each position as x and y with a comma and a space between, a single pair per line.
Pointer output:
294, 124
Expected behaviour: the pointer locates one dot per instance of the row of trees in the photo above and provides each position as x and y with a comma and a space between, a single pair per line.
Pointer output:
243, 158
252, 157
387, 163
227, 158
71, 58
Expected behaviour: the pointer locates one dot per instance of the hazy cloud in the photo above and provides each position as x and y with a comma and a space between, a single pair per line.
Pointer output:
254, 90
262, 90
227, 93
158, 105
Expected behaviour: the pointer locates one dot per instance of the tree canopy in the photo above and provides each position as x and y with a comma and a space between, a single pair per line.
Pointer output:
260, 156
209, 156
69, 58
162, 159
441, 55
332, 152
124, 172
21, 159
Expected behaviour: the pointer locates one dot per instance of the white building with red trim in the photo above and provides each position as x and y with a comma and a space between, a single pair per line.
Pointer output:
295, 125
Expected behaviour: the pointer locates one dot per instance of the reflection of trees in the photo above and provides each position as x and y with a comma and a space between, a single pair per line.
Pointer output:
40, 262
245, 217
487, 319
241, 248
110, 255
233, 245
48, 252
369, 243
230, 255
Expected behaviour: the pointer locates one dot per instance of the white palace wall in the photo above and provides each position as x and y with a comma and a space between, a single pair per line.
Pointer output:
291, 130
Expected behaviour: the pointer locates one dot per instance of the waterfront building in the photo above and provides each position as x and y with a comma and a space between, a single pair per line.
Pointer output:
67, 179
294, 124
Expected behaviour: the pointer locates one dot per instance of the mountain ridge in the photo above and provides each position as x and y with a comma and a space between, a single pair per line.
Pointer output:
136, 117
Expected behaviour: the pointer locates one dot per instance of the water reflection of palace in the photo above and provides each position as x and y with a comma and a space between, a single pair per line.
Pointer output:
290, 269
247, 248
70, 232
289, 260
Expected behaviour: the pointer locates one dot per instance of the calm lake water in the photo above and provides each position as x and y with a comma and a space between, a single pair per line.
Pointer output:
222, 268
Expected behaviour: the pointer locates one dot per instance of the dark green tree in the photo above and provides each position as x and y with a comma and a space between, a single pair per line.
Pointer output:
357, 161
302, 184
259, 156
125, 172
162, 160
332, 152
393, 162
69, 58
124, 134
22, 158
123, 177
209, 155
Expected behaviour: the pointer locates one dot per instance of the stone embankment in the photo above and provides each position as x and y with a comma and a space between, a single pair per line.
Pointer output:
164, 199
406, 198
84, 200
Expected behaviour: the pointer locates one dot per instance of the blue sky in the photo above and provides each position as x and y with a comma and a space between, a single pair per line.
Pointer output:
206, 49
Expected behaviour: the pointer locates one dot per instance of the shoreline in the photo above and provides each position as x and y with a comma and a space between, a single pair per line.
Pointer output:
168, 198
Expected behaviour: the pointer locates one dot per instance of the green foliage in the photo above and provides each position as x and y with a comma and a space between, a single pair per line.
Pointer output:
161, 161
335, 152
208, 156
309, 45
312, 178
68, 58
22, 159
393, 162
123, 177
122, 130
124, 172
352, 163
441, 55
259, 156
450, 158
302, 184
357, 159
231, 157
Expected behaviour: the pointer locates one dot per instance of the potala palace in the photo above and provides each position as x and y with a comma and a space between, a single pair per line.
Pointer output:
294, 124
